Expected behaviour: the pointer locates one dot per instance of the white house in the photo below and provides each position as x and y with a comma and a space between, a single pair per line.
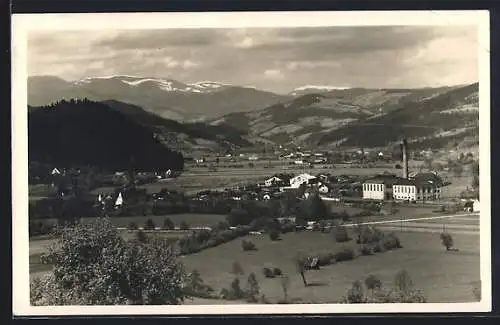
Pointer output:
271, 181
475, 206
374, 190
404, 191
301, 179
323, 188
55, 171
119, 200
253, 158
298, 162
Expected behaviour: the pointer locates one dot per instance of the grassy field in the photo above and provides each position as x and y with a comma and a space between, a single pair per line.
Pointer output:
443, 276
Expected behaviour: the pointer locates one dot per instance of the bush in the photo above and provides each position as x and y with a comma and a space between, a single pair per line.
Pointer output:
94, 265
356, 293
446, 240
149, 225
346, 254
274, 235
196, 287
341, 234
252, 288
373, 283
277, 271
268, 273
184, 225
326, 259
247, 245
235, 291
390, 241
168, 224
237, 268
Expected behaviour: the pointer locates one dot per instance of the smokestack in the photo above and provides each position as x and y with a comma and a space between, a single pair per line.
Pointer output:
404, 146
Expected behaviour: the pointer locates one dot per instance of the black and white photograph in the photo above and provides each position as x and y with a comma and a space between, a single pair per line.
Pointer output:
276, 162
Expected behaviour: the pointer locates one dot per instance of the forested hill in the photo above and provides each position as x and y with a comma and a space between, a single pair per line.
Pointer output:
83, 132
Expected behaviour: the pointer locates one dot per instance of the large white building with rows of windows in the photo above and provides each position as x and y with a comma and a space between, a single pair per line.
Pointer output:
421, 187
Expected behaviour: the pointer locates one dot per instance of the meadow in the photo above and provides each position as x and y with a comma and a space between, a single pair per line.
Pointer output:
443, 276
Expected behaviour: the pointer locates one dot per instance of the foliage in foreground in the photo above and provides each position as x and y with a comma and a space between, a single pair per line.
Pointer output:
94, 265
402, 291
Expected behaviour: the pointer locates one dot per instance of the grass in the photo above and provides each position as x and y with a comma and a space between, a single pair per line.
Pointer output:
444, 277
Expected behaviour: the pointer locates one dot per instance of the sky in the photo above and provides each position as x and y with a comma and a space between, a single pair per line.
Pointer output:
274, 59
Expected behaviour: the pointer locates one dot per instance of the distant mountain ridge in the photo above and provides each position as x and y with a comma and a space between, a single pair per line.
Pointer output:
165, 97
366, 117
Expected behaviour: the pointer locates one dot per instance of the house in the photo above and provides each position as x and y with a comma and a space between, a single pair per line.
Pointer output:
298, 162
323, 188
379, 187
428, 186
119, 200
405, 190
271, 181
55, 171
253, 158
298, 180
475, 206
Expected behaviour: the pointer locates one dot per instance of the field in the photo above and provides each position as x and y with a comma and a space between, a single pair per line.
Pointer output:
443, 276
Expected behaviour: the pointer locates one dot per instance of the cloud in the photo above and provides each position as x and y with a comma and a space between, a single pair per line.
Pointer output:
390, 56
273, 74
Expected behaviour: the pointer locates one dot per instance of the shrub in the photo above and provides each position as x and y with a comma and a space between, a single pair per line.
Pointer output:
446, 240
196, 287
268, 273
237, 268
274, 235
168, 224
402, 281
184, 225
326, 259
132, 226
341, 234
373, 283
346, 254
247, 245
235, 291
355, 294
390, 241
277, 271
94, 265
149, 225
252, 288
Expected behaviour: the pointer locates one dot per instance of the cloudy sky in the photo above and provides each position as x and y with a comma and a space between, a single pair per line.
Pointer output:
276, 59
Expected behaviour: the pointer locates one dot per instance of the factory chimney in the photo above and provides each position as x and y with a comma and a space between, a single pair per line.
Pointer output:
404, 149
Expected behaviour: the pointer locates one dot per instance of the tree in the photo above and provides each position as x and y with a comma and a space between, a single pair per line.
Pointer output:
356, 293
168, 224
149, 225
475, 182
184, 225
403, 282
373, 283
252, 288
458, 170
300, 264
285, 285
94, 265
141, 237
317, 208
235, 291
274, 235
447, 240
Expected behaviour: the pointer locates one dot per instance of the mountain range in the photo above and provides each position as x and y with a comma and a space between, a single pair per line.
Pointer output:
167, 98
213, 114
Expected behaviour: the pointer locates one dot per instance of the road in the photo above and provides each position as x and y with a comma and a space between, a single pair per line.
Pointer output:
466, 224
